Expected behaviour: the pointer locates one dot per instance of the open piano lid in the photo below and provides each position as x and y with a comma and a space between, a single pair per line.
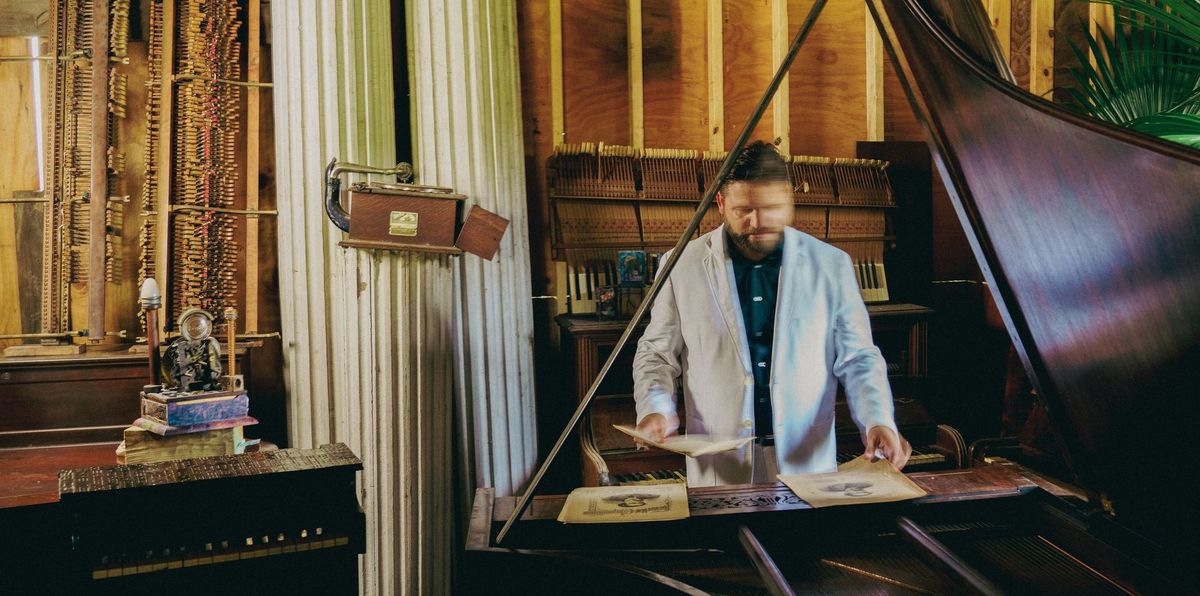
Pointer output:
1088, 236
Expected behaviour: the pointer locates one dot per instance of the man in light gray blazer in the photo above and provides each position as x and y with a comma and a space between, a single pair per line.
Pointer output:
760, 322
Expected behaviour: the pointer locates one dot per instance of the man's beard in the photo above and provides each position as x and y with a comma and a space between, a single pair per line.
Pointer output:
762, 247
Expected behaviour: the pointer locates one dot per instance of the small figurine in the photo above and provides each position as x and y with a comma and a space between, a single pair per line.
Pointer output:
193, 360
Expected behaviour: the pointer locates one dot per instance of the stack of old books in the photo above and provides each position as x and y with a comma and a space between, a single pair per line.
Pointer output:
184, 424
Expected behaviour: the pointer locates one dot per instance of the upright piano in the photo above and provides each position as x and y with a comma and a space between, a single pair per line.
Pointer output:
1087, 236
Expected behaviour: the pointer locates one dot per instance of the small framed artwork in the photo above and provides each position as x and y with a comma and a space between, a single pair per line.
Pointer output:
606, 302
631, 267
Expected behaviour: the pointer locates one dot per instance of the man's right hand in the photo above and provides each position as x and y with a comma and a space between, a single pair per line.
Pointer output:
657, 425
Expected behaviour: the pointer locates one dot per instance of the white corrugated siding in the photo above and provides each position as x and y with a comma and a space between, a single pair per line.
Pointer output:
370, 338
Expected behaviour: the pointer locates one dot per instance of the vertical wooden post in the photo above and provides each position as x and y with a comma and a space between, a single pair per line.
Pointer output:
1101, 19
99, 171
716, 78
1041, 48
780, 106
253, 70
162, 205
1000, 12
636, 92
875, 81
558, 132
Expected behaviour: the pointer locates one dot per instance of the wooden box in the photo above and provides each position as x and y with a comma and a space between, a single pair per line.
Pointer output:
421, 218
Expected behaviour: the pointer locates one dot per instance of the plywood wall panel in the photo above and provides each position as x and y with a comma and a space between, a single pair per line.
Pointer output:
747, 56
596, 72
829, 80
18, 172
675, 74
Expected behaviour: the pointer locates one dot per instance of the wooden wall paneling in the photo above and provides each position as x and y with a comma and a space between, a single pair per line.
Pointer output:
1000, 12
781, 107
715, 53
1041, 48
900, 123
18, 172
748, 46
637, 117
829, 74
874, 91
596, 103
675, 74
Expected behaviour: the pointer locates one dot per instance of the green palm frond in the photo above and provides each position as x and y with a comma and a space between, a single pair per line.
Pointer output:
1177, 18
1146, 75
1181, 128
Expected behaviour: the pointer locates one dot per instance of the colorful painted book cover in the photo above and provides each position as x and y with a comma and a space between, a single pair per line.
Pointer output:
197, 411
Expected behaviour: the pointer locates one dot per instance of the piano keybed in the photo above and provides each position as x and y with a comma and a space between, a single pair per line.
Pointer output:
922, 458
216, 552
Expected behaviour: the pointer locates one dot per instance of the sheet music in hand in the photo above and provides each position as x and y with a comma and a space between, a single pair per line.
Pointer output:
693, 445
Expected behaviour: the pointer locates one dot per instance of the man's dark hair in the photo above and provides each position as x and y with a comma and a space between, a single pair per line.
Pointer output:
758, 162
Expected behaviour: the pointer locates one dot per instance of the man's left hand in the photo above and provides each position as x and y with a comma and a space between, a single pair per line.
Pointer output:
892, 446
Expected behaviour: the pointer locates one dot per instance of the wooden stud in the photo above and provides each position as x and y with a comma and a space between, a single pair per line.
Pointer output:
1041, 49
99, 171
253, 75
558, 129
716, 78
637, 100
162, 206
875, 81
1100, 18
1000, 13
781, 104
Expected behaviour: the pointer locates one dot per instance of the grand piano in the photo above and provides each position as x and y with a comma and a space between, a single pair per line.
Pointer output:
1087, 236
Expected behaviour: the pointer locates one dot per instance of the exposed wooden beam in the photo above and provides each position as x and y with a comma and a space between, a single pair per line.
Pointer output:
1041, 49
98, 203
1000, 12
716, 78
637, 100
875, 81
558, 132
162, 204
780, 108
253, 75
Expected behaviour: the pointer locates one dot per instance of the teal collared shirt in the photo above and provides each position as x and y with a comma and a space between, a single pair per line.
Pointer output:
758, 289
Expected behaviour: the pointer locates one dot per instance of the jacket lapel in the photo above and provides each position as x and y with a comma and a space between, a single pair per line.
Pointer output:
719, 273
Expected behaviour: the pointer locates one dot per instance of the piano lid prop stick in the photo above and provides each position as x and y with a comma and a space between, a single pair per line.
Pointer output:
644, 307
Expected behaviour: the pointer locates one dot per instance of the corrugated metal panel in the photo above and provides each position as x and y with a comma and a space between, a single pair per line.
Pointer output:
371, 339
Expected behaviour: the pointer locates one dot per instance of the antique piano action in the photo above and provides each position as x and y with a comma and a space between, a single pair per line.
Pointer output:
1086, 234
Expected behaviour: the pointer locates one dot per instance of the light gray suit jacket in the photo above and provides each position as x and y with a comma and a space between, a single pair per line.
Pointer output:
822, 336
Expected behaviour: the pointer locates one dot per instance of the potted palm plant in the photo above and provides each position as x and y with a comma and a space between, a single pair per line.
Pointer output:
1146, 74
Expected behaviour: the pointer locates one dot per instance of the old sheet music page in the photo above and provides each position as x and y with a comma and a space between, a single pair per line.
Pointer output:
689, 445
615, 504
855, 482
